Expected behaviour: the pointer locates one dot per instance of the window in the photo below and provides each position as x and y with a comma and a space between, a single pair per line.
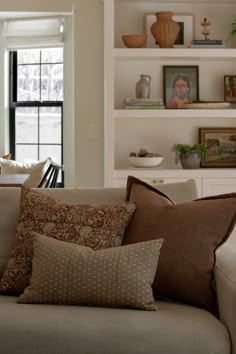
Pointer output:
36, 104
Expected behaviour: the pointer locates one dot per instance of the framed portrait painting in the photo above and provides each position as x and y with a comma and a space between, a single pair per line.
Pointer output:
180, 85
186, 25
230, 88
221, 144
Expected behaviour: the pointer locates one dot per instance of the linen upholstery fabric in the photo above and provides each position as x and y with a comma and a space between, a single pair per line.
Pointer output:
64, 273
36, 170
225, 279
191, 231
173, 329
97, 226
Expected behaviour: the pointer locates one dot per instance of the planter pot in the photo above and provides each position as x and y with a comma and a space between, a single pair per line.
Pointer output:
191, 160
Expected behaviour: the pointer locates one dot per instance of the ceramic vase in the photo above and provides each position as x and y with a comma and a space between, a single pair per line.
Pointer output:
143, 86
165, 30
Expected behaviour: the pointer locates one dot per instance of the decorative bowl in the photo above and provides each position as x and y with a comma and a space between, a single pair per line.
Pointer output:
138, 161
134, 40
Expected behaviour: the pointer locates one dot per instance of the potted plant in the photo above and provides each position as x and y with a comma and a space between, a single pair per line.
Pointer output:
233, 29
189, 155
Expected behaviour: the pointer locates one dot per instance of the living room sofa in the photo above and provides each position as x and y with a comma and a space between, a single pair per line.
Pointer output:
175, 328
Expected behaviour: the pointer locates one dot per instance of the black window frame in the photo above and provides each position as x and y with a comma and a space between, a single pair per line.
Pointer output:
13, 104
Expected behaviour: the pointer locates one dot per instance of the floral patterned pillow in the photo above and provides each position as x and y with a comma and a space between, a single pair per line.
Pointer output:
97, 226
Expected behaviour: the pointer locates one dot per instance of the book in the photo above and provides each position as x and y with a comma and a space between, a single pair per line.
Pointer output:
142, 104
207, 41
207, 46
144, 107
143, 101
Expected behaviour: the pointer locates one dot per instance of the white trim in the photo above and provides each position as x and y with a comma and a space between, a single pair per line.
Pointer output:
68, 105
15, 43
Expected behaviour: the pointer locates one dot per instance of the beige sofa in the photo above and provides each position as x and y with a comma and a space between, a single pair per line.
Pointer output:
58, 329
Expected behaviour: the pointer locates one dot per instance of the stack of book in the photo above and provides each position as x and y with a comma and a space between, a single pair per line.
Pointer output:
207, 43
143, 103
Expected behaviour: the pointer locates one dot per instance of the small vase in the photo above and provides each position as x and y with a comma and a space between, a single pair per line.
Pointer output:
143, 86
165, 30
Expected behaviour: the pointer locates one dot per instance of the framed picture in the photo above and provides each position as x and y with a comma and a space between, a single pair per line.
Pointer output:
230, 88
185, 35
221, 144
180, 85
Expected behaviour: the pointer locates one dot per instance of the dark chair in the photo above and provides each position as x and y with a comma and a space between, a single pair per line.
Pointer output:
49, 179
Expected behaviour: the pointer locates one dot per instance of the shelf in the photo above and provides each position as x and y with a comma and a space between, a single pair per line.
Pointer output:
172, 53
175, 113
128, 128
153, 172
177, 1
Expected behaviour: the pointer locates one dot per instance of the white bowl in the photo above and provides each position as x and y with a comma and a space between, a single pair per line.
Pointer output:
145, 161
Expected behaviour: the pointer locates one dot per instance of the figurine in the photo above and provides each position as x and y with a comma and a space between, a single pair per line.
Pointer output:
205, 31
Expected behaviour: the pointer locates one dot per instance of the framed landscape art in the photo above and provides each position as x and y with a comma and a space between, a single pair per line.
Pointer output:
221, 144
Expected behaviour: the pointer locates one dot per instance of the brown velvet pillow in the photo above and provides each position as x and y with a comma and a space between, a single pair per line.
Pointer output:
191, 231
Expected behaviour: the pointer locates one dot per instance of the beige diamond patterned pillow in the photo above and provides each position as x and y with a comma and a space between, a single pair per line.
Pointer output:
64, 273
97, 226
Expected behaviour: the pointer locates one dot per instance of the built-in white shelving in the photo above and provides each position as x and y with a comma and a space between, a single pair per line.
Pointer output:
129, 129
225, 54
175, 113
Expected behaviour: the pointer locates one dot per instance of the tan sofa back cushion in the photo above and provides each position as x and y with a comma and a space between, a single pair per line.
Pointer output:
10, 201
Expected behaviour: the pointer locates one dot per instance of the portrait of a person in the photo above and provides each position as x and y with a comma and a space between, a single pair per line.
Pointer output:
181, 90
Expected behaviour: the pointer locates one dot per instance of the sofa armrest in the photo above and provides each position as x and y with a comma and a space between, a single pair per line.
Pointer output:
225, 278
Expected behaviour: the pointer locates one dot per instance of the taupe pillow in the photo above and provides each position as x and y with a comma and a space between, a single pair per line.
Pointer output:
96, 226
64, 273
191, 231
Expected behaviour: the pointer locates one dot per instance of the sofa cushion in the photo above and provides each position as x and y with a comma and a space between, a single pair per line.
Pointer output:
174, 328
97, 226
191, 231
64, 273
36, 170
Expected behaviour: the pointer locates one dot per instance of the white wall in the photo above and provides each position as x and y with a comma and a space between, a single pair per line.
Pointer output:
84, 130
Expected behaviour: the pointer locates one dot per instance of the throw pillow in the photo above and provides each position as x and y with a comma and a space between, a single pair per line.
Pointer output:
64, 273
192, 231
7, 157
96, 226
36, 170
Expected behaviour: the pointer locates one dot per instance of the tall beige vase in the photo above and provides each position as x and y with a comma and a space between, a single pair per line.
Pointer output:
165, 30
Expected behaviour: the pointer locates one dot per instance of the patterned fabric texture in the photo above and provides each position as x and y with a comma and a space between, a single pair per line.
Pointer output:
64, 273
97, 226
